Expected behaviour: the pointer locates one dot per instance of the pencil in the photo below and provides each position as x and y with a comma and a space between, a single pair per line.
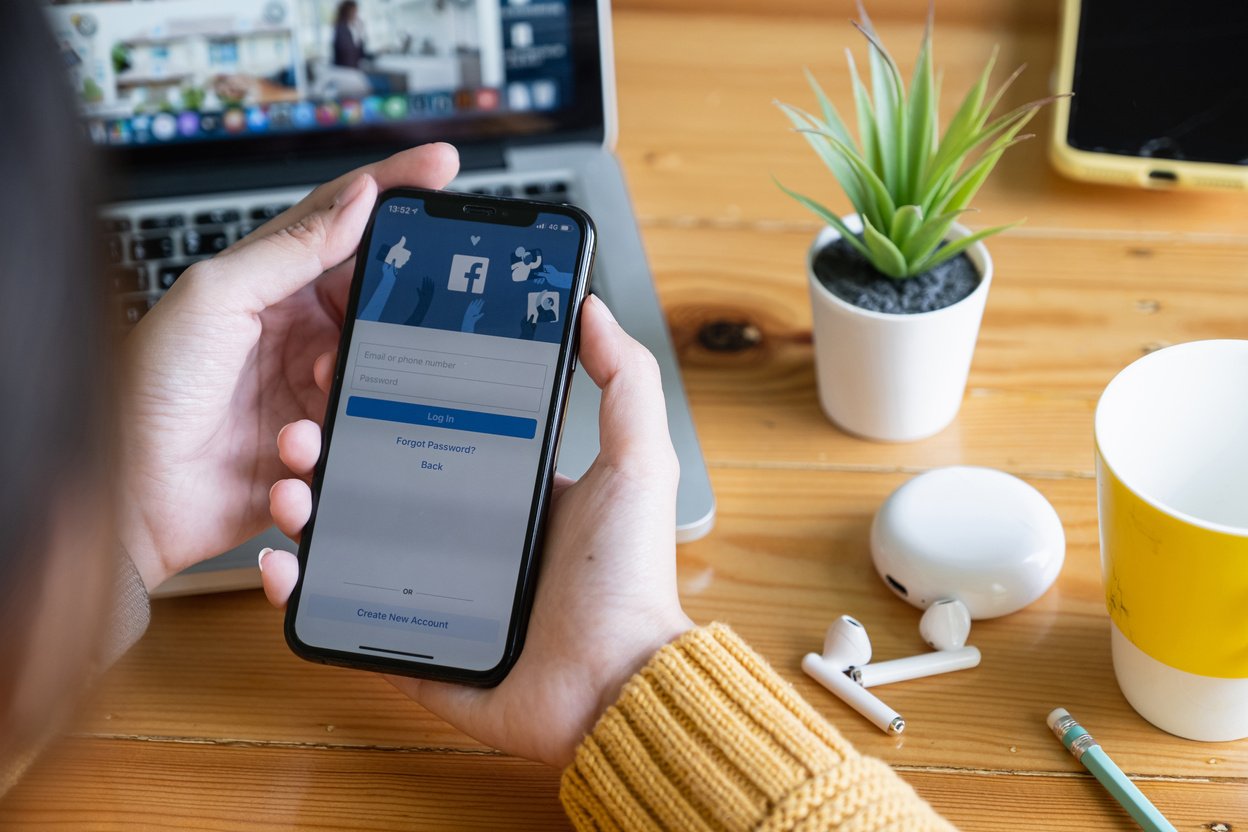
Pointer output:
1089, 752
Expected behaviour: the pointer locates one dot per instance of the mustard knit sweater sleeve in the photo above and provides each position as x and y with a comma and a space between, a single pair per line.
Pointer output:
708, 737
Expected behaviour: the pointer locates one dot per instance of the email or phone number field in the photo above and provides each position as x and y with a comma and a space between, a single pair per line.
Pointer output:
449, 377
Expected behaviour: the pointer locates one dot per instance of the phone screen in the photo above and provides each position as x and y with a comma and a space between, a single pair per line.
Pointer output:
1162, 79
435, 458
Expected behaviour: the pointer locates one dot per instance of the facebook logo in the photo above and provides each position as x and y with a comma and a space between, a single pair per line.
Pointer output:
468, 274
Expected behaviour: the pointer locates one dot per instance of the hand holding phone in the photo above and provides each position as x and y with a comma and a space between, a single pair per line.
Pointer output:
607, 597
431, 491
200, 455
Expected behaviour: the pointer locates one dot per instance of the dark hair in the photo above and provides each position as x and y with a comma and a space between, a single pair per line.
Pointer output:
54, 340
345, 8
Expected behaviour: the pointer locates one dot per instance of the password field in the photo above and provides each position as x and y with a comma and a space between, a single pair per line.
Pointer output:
441, 388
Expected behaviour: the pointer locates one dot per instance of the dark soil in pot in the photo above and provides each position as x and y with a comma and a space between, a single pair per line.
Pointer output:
844, 272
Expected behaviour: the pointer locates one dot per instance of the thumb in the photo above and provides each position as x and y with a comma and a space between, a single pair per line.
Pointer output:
271, 268
401, 243
632, 418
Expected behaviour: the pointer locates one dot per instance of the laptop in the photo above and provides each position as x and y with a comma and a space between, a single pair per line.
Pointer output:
219, 114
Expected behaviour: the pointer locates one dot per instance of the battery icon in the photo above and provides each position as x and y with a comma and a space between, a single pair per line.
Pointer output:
564, 228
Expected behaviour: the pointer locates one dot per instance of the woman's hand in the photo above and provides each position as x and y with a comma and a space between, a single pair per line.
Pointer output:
224, 360
606, 596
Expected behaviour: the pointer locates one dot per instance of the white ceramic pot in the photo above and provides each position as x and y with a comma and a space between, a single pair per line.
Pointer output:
890, 377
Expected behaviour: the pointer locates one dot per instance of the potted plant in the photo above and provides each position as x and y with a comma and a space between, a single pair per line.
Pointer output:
898, 288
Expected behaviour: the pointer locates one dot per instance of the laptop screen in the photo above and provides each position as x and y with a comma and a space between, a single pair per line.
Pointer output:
192, 74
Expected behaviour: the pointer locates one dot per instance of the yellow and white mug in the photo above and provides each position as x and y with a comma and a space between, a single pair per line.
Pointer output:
1172, 479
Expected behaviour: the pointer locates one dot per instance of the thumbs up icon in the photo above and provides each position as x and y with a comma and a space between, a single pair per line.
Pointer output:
399, 254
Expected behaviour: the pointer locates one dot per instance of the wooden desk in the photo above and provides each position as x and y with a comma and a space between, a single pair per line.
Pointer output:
211, 723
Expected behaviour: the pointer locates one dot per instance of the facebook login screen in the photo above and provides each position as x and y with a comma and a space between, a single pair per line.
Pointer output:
429, 481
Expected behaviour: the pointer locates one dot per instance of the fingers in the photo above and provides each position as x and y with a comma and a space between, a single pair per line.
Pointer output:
299, 446
454, 703
632, 419
279, 572
323, 373
427, 166
268, 269
290, 504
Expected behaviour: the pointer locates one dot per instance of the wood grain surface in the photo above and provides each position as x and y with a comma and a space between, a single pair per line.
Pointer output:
701, 137
210, 723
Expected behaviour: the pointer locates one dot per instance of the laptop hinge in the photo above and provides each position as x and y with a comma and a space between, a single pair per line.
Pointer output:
476, 157
285, 170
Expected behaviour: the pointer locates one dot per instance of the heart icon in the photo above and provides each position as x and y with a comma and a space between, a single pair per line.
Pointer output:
475, 239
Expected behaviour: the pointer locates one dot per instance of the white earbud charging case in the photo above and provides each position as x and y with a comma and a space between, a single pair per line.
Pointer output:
979, 535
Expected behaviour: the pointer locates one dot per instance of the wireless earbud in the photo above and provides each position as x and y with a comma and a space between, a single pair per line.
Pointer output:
846, 647
945, 626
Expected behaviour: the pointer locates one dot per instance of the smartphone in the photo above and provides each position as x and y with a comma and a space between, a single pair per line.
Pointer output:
440, 436
1158, 97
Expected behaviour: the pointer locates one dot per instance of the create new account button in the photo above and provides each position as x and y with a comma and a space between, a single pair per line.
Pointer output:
471, 421
468, 627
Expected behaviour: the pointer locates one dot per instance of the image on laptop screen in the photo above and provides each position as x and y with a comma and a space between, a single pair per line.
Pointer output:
180, 71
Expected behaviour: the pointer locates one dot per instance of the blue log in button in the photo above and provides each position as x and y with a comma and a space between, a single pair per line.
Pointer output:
441, 417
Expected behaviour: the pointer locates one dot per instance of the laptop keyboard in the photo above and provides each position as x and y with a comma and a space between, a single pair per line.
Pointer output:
148, 251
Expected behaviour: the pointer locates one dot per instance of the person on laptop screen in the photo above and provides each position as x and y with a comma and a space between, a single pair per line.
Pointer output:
112, 482
349, 49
